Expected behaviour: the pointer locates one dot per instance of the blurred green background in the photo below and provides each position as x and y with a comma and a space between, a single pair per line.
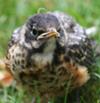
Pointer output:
13, 13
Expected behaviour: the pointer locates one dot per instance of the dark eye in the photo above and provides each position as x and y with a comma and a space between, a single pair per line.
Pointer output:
34, 31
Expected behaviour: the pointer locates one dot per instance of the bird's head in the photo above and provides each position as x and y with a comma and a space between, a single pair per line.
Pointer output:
41, 28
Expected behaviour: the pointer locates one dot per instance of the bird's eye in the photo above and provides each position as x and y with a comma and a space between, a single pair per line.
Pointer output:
34, 32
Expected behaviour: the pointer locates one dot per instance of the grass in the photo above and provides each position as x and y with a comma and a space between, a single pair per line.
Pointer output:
14, 13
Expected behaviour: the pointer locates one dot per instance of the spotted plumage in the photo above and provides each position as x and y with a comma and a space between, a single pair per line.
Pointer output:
48, 52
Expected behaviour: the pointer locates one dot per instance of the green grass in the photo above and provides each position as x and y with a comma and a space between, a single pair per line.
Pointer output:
14, 13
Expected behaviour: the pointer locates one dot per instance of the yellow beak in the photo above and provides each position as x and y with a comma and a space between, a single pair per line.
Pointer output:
48, 35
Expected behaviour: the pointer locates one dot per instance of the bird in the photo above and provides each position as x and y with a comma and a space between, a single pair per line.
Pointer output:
49, 53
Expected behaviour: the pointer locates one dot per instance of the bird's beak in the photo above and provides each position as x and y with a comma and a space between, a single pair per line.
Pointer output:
48, 35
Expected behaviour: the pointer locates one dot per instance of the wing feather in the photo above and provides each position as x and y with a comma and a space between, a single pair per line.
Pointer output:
79, 47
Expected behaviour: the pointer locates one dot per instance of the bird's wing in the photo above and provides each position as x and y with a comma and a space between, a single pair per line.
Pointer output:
81, 53
78, 45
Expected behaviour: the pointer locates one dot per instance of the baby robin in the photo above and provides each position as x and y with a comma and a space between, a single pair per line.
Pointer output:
49, 53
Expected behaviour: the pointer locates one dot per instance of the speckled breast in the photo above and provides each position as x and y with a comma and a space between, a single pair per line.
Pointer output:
41, 76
